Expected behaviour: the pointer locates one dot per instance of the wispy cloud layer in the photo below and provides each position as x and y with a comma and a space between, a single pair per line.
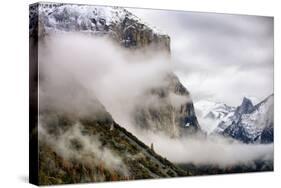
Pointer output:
219, 57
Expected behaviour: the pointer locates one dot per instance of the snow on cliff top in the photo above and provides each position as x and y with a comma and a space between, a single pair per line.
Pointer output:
84, 14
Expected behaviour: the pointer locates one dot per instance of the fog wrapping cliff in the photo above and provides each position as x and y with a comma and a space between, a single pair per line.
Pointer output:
109, 104
130, 32
79, 141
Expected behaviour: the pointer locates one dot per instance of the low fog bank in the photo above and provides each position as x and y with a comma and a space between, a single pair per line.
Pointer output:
77, 70
208, 150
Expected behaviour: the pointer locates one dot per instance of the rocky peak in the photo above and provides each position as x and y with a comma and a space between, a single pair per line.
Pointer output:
251, 124
115, 22
245, 108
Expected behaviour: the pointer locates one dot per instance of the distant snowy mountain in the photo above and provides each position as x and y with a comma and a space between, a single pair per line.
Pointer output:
248, 123
254, 100
213, 110
211, 114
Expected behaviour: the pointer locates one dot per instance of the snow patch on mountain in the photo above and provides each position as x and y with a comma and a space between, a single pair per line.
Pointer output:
85, 18
246, 123
249, 121
211, 113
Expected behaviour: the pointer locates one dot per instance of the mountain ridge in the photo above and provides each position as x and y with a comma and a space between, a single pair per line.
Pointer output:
247, 122
116, 22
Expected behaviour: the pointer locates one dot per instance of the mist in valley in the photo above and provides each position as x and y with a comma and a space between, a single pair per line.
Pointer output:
83, 75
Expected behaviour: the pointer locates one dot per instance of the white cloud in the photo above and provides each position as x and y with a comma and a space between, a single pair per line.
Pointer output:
201, 150
219, 57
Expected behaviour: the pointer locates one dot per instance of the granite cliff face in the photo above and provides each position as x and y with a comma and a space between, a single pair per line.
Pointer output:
171, 118
115, 22
62, 135
130, 32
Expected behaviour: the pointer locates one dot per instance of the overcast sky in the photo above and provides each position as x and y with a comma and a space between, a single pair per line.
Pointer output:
218, 57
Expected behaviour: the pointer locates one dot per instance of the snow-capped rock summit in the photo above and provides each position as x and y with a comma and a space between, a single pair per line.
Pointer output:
245, 108
212, 113
116, 22
250, 123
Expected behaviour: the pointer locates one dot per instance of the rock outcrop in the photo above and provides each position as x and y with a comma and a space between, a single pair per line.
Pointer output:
170, 118
130, 32
115, 22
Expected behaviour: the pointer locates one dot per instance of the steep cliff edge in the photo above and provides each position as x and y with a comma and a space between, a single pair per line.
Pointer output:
132, 33
75, 147
116, 22
175, 116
